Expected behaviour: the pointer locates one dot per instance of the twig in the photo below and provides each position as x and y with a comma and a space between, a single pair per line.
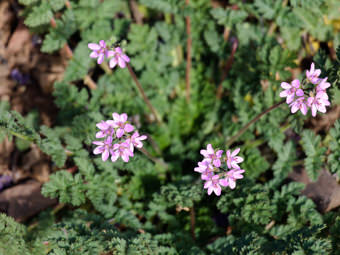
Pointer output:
229, 63
155, 160
69, 54
242, 130
135, 13
141, 90
189, 44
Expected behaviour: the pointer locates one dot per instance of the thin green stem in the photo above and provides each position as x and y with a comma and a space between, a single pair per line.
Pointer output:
145, 98
243, 129
26, 138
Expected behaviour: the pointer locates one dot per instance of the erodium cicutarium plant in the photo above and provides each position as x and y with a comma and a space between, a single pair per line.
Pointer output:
217, 169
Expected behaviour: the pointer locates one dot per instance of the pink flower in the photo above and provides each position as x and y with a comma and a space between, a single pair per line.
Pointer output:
323, 85
205, 168
313, 75
105, 129
291, 90
121, 150
209, 153
231, 177
299, 104
135, 140
232, 159
213, 185
118, 57
318, 103
103, 148
119, 121
98, 51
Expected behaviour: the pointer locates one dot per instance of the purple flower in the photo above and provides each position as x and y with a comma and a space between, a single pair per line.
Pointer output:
232, 159
118, 57
119, 121
318, 103
5, 181
103, 148
299, 104
205, 168
291, 90
105, 129
213, 185
313, 75
135, 140
99, 51
231, 177
209, 153
121, 150
323, 85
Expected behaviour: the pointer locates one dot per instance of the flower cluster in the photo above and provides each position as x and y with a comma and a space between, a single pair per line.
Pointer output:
115, 55
213, 169
118, 141
298, 98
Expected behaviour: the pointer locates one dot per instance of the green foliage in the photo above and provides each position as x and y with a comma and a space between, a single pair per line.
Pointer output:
153, 205
314, 152
334, 145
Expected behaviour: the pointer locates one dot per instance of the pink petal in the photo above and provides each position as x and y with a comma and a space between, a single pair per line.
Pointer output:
118, 50
120, 132
121, 63
238, 159
296, 83
102, 43
102, 125
224, 182
98, 142
98, 150
114, 156
100, 58
235, 152
290, 98
128, 128
93, 46
126, 58
300, 93
100, 134
217, 190
105, 155
304, 109
284, 93
115, 116
210, 149
312, 67
294, 108
210, 190
94, 54
123, 117
232, 183
285, 85
113, 62
217, 163
314, 110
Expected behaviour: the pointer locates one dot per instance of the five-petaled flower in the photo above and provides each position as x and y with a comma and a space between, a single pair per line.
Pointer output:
99, 51
232, 159
313, 74
318, 103
231, 177
291, 90
210, 153
213, 185
118, 57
